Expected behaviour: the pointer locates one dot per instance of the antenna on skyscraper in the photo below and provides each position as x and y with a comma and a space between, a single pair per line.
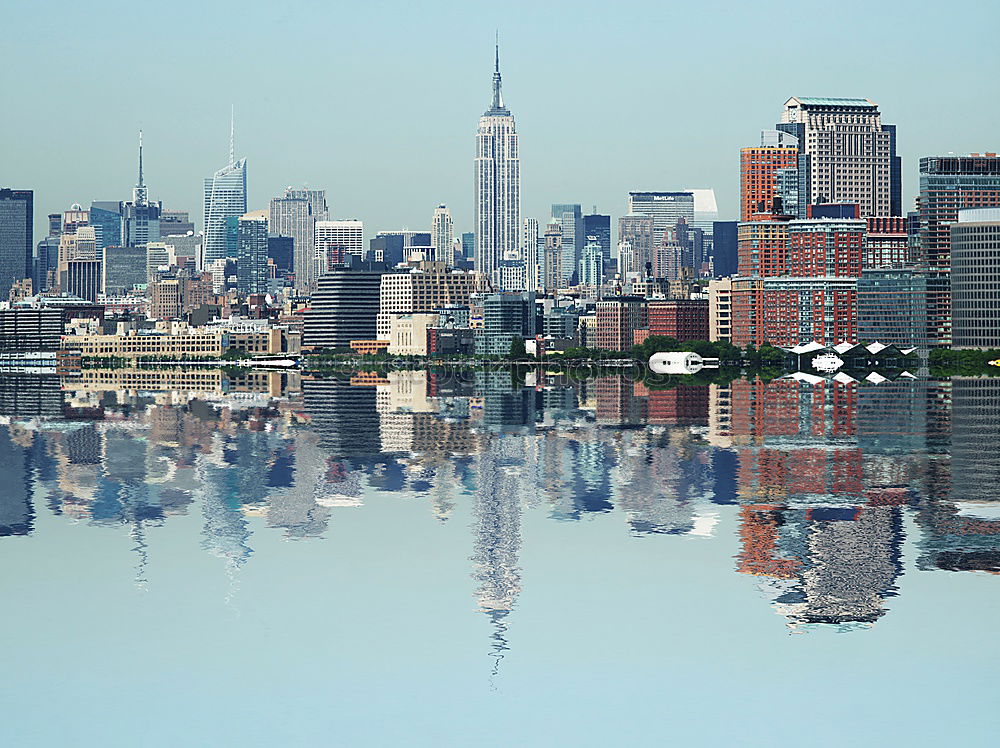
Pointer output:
140, 159
232, 134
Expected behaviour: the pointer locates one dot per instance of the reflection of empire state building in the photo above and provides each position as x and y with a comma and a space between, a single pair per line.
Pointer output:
498, 193
497, 531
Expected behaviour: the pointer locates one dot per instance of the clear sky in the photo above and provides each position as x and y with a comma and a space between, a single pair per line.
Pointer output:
378, 101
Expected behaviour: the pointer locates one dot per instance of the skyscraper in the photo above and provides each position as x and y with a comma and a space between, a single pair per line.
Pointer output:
498, 186
529, 252
846, 154
225, 197
948, 184
140, 219
251, 265
442, 233
764, 174
336, 241
599, 226
665, 208
636, 231
570, 217
16, 238
975, 278
295, 214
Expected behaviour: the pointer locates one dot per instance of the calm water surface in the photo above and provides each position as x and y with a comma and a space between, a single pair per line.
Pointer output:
414, 559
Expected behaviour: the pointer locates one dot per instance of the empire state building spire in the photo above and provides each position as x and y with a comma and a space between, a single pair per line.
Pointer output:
498, 107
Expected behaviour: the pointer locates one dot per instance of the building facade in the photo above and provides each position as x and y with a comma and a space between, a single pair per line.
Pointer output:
225, 200
294, 214
442, 235
16, 237
975, 278
343, 308
251, 262
498, 187
337, 241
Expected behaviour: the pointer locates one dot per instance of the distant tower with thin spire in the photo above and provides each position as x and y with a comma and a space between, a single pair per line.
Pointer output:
498, 187
140, 219
225, 202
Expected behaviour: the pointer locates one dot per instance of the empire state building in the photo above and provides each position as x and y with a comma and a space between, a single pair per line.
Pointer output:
498, 188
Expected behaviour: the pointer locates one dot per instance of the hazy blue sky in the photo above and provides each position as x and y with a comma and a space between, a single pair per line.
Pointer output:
378, 101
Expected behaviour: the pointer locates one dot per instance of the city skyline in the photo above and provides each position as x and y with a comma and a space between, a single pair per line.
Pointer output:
663, 155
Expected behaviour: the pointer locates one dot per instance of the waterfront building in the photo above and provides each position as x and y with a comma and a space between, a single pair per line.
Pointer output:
506, 317
30, 330
846, 154
16, 237
617, 320
892, 307
720, 310
766, 173
975, 278
225, 202
343, 308
337, 242
251, 263
683, 319
442, 233
124, 268
948, 184
498, 186
408, 333
294, 214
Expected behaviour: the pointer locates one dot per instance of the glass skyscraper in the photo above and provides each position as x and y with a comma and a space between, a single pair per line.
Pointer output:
225, 197
16, 237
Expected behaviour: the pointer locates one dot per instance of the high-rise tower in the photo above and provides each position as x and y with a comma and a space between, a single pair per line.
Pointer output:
225, 198
295, 214
140, 219
498, 187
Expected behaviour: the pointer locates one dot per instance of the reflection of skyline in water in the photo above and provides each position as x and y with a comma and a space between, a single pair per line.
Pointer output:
818, 478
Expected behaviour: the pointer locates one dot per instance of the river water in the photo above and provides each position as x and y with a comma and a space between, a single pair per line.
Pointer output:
413, 558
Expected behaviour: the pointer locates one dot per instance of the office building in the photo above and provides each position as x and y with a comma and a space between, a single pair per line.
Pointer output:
975, 278
83, 279
887, 243
106, 218
720, 310
498, 186
599, 226
173, 222
506, 317
424, 287
46, 263
442, 233
30, 330
280, 250
683, 319
165, 296
767, 172
124, 268
570, 218
725, 248
846, 154
251, 262
408, 333
469, 246
225, 202
617, 321
343, 308
295, 214
591, 268
550, 272
892, 306
16, 237
947, 185
337, 241
530, 246
637, 231
140, 218
665, 208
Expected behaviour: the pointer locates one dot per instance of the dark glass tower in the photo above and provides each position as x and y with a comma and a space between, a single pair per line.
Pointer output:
16, 238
